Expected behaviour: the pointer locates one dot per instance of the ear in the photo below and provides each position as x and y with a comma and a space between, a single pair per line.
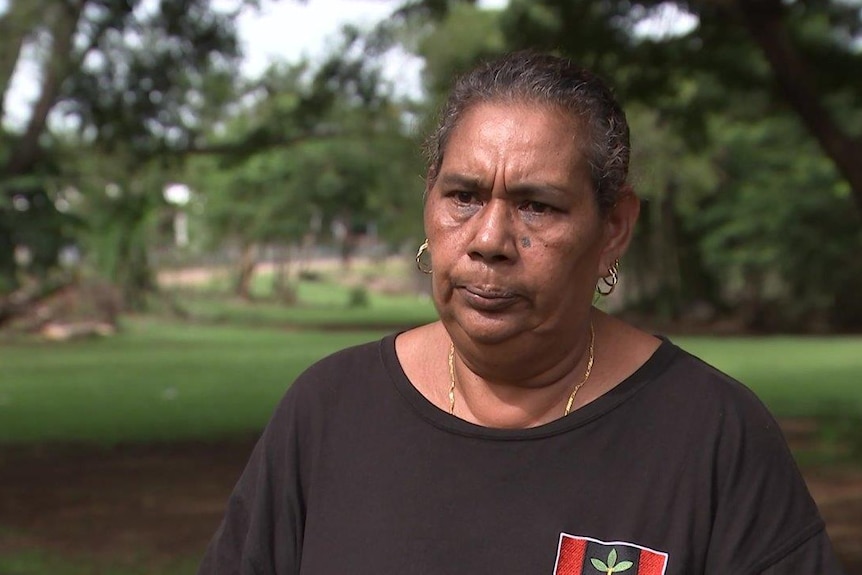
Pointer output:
619, 224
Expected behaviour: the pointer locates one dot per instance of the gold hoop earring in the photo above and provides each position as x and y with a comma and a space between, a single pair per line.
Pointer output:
610, 281
423, 265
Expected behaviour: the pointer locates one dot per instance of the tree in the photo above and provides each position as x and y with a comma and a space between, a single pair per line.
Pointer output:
798, 55
463, 36
665, 268
118, 71
777, 228
130, 80
743, 215
318, 147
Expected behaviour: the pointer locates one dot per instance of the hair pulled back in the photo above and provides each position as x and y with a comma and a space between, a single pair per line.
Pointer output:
531, 77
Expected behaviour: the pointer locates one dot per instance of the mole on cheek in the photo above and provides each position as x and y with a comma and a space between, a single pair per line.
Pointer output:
525, 242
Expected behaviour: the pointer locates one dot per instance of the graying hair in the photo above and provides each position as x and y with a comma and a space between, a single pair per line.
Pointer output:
532, 77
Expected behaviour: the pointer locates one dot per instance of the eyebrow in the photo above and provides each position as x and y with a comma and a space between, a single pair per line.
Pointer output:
460, 181
472, 183
531, 188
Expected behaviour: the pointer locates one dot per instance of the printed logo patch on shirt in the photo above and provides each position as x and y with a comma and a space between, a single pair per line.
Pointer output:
587, 556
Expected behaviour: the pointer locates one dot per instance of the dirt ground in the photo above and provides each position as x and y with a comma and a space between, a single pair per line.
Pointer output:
161, 502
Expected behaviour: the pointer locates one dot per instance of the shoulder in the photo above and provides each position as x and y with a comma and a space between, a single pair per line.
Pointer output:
703, 414
756, 483
691, 384
350, 360
724, 417
318, 397
326, 384
329, 378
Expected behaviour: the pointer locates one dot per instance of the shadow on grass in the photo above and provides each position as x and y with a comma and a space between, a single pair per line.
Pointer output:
41, 562
832, 435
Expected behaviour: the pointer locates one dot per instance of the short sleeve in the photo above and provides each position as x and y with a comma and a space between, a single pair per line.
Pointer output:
814, 555
764, 513
261, 533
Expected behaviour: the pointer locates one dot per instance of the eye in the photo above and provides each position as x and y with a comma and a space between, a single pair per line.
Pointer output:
535, 207
465, 198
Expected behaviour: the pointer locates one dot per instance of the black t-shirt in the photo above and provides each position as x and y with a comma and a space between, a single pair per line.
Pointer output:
679, 470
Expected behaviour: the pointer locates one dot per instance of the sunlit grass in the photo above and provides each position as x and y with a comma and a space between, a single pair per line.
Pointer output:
329, 301
794, 376
327, 306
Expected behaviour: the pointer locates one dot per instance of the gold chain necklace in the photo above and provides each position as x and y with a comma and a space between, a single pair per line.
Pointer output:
569, 403
586, 371
452, 378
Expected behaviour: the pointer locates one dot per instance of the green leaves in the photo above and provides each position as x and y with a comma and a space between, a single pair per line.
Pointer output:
611, 566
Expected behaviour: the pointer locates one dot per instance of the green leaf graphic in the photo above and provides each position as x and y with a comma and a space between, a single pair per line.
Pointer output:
623, 566
599, 565
612, 559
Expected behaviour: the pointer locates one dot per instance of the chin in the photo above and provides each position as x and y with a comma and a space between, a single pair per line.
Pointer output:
485, 330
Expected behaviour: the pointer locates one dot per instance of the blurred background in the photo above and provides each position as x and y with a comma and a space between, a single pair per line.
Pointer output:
199, 198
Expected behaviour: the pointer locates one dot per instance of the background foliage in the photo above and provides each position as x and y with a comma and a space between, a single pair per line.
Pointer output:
746, 130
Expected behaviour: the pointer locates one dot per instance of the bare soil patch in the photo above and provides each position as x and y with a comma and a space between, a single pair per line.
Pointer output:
166, 501
161, 501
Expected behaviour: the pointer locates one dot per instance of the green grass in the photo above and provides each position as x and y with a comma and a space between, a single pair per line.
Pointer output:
320, 304
161, 381
157, 381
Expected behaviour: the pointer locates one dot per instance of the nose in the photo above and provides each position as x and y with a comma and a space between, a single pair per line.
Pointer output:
493, 240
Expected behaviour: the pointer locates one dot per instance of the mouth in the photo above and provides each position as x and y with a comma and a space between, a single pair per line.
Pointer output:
488, 298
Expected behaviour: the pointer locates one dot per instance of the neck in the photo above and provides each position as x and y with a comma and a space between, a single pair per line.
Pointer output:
512, 390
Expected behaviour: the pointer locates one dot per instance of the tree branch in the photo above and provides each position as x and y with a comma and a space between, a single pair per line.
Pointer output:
242, 149
764, 20
15, 25
57, 68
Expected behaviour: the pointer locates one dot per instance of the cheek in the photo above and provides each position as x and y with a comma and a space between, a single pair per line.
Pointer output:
445, 239
567, 242
433, 217
444, 248
568, 254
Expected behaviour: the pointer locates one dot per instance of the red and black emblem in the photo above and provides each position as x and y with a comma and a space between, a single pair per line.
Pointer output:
586, 556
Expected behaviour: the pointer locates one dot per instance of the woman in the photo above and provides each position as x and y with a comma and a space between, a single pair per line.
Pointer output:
524, 432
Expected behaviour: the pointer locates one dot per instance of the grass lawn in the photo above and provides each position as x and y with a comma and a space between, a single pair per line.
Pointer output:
165, 381
324, 303
320, 304
157, 381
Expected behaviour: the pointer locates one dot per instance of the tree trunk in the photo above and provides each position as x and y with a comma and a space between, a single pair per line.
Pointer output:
247, 266
137, 278
281, 288
765, 23
65, 17
15, 25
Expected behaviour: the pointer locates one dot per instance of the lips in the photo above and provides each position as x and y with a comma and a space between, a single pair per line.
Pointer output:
487, 298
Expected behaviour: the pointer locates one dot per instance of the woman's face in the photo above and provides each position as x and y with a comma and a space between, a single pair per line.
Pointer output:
515, 236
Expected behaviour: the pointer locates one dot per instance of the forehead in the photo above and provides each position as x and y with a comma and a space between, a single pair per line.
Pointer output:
517, 137
528, 114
